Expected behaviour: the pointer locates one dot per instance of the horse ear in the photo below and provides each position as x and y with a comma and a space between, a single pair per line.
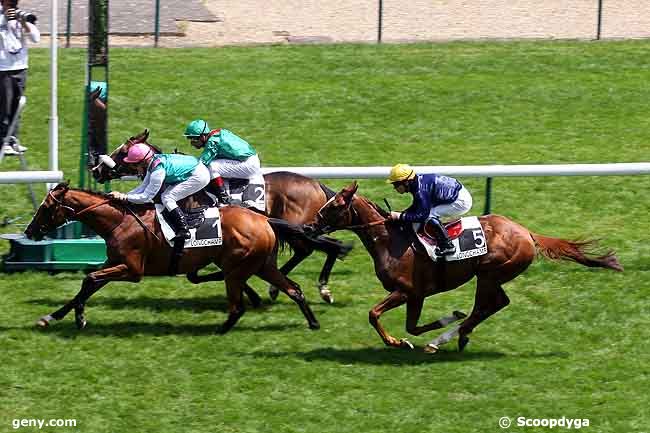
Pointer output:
348, 192
145, 134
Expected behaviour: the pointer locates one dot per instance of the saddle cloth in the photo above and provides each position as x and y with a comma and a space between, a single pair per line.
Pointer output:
205, 232
466, 234
248, 193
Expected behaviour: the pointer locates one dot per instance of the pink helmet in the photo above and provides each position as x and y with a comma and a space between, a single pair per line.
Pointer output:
138, 153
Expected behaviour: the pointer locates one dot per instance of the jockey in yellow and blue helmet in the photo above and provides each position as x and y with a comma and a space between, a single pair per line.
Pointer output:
434, 196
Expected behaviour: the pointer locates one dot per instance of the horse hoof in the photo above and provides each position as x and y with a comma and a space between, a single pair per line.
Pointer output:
430, 348
459, 315
462, 342
273, 292
314, 326
42, 323
81, 323
404, 343
325, 294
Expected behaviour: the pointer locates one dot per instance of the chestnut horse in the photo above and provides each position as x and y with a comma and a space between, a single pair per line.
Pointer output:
410, 276
289, 196
136, 247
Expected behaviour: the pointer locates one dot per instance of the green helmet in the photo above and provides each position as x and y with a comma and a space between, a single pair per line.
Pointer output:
196, 128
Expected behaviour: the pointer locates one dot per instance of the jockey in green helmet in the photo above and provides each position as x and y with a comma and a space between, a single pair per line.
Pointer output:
224, 153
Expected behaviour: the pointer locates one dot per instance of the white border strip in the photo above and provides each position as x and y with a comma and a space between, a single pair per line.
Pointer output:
617, 169
31, 176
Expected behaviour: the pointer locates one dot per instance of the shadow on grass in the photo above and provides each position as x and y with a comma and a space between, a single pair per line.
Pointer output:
392, 356
67, 329
195, 304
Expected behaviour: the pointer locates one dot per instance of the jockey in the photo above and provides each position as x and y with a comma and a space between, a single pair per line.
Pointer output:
434, 196
181, 174
225, 154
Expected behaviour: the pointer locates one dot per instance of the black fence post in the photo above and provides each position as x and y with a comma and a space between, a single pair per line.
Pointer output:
488, 196
379, 21
600, 19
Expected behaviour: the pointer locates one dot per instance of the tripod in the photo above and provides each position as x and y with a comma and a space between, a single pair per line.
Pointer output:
11, 146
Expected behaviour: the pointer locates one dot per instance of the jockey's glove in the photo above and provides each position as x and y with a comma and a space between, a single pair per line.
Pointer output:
116, 195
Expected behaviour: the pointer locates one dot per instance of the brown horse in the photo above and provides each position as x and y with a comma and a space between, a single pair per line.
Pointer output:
135, 247
289, 196
410, 275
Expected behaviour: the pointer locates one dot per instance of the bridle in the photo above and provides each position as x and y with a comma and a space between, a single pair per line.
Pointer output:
44, 228
74, 214
327, 228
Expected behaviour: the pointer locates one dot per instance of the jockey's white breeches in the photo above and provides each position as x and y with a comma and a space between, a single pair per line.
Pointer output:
459, 207
231, 168
199, 178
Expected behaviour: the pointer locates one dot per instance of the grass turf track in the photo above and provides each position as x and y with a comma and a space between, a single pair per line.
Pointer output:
572, 343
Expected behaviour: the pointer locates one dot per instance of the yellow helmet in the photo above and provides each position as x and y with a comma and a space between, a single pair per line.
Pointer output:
400, 173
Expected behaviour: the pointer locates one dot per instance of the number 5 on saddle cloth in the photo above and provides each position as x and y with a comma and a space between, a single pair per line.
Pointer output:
466, 234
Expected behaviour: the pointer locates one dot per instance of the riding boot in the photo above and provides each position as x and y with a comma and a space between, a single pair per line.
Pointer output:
180, 224
445, 247
220, 191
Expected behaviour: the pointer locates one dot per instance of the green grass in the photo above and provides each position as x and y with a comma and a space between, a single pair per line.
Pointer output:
572, 343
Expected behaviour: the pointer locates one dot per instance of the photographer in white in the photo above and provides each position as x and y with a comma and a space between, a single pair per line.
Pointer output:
16, 27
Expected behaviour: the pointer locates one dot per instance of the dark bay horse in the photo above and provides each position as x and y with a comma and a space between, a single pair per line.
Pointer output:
136, 247
410, 275
289, 196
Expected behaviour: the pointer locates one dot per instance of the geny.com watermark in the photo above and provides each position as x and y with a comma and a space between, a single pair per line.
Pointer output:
564, 422
40, 423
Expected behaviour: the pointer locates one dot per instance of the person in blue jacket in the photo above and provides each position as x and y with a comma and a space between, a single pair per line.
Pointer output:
434, 196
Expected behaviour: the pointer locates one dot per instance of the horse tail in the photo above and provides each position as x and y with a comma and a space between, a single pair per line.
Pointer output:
285, 231
577, 251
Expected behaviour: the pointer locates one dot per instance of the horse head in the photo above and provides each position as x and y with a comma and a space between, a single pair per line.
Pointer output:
111, 166
337, 212
52, 213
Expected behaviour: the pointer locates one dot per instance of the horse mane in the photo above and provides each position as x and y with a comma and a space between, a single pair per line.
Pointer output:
375, 206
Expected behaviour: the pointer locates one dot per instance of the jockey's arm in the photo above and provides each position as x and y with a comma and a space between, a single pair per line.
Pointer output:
210, 152
150, 186
419, 210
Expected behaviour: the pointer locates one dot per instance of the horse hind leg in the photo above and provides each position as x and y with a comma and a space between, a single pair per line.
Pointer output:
234, 289
300, 253
271, 274
334, 249
490, 298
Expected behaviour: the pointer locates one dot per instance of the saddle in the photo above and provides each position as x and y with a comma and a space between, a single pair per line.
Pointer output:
426, 231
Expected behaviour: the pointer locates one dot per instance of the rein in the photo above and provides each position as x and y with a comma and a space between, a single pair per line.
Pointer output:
366, 225
144, 226
91, 207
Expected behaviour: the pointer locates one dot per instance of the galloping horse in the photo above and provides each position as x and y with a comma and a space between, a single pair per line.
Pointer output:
410, 275
289, 196
136, 247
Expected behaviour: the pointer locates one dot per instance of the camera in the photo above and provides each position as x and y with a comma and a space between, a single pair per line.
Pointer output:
27, 16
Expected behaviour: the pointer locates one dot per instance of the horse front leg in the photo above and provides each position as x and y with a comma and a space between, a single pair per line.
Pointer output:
393, 300
91, 284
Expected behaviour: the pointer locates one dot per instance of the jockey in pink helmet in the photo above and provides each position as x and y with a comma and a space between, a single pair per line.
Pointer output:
182, 175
